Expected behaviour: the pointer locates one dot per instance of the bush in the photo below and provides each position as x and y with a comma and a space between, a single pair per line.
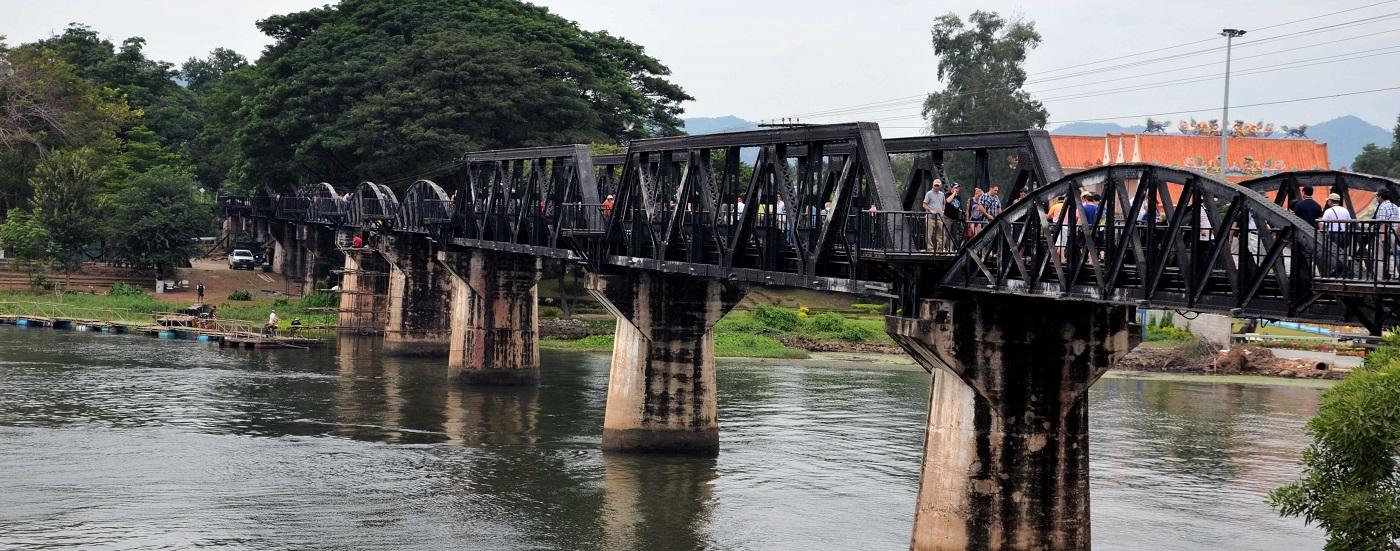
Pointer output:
1166, 320
1351, 472
320, 299
281, 303
550, 312
120, 289
1168, 333
777, 318
827, 322
857, 333
240, 295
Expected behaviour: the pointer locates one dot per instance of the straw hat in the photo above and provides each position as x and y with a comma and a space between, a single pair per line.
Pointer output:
1334, 197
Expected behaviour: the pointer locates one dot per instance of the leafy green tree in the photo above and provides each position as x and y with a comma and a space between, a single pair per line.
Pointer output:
45, 105
203, 73
1381, 161
166, 108
156, 218
373, 89
25, 240
981, 68
66, 202
1351, 472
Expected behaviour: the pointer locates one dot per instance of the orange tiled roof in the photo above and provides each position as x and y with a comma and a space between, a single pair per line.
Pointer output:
1249, 157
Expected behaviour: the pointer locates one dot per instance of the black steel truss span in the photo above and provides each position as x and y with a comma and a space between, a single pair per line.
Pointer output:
1161, 238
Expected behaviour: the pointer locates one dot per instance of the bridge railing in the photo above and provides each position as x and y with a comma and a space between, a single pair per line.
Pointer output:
1365, 251
292, 208
913, 233
583, 218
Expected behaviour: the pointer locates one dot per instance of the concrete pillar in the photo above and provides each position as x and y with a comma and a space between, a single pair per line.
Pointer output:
661, 391
494, 317
419, 320
1006, 455
364, 293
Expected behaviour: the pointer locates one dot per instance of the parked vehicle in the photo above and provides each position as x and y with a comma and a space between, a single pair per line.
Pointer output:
242, 259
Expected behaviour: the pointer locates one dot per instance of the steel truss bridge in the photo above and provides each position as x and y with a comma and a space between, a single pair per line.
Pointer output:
838, 208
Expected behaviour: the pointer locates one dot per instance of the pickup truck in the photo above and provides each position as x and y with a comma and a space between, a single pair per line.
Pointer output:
241, 259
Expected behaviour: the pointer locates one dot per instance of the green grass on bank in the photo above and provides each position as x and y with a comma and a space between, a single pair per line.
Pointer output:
727, 345
776, 321
140, 307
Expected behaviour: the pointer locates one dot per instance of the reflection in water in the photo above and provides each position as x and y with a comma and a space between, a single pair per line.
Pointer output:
130, 442
656, 503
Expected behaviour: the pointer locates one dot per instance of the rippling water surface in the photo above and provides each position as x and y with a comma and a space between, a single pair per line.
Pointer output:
126, 442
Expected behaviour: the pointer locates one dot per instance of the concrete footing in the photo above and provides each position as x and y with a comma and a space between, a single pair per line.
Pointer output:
661, 391
420, 299
494, 338
1006, 456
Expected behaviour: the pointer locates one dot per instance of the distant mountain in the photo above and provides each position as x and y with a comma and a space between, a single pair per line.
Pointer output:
711, 125
1345, 136
1097, 129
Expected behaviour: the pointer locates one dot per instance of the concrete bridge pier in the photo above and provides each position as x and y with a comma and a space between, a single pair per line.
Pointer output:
661, 391
364, 293
1006, 455
494, 329
302, 252
419, 319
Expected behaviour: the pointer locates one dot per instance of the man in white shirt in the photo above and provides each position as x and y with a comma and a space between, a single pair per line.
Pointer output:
1336, 232
934, 203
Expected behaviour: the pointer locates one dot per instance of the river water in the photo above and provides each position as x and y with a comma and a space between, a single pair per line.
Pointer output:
128, 442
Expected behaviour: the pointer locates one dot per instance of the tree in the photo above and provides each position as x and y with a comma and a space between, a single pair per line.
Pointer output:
166, 108
1381, 161
202, 73
374, 89
45, 105
1351, 472
156, 218
26, 241
65, 201
981, 69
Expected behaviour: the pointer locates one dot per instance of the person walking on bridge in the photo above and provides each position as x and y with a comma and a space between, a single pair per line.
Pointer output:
1307, 208
935, 201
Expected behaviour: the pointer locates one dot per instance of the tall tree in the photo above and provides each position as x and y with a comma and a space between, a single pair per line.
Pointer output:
45, 105
66, 201
372, 89
1381, 161
981, 68
155, 219
149, 85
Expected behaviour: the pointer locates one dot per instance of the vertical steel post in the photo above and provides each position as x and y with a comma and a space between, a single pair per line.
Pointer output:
1229, 35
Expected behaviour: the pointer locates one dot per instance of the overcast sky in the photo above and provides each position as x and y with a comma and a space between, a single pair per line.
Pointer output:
767, 59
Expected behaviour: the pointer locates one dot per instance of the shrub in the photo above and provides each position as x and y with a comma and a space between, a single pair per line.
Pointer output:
827, 322
550, 312
320, 299
1168, 333
240, 295
777, 318
1351, 472
1166, 320
120, 289
279, 303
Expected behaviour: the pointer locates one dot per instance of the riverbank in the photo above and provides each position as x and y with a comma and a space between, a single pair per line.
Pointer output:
127, 304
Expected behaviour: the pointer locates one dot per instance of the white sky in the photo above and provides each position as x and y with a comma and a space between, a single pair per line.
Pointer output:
767, 59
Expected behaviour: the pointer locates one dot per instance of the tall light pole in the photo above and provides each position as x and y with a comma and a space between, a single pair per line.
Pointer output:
1229, 35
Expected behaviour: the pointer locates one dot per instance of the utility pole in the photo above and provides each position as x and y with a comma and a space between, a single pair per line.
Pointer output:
1229, 35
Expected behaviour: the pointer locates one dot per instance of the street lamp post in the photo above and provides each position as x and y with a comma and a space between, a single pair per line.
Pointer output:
1229, 35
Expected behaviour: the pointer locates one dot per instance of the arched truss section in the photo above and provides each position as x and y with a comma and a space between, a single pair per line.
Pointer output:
1358, 191
374, 206
425, 206
1162, 238
324, 205
264, 203
1014, 161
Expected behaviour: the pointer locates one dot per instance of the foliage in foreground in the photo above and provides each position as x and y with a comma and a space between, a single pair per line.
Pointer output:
776, 321
1351, 472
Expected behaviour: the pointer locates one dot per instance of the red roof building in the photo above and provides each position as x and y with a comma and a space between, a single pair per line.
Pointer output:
1249, 157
